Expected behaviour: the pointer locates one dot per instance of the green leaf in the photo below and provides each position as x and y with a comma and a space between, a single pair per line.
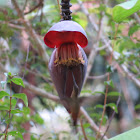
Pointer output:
38, 119
3, 94
26, 110
33, 138
113, 93
109, 68
113, 106
133, 29
98, 92
133, 134
22, 96
109, 83
15, 111
99, 106
15, 134
86, 125
4, 108
13, 102
18, 81
86, 91
124, 10
91, 138
2, 134
137, 107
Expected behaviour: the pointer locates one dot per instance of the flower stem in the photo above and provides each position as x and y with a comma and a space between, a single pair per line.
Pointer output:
9, 112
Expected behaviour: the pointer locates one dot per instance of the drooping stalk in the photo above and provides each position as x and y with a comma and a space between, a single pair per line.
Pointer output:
65, 10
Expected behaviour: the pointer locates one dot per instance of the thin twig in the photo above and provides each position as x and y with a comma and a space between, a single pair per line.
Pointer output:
126, 93
83, 130
34, 8
91, 122
6, 131
25, 65
130, 75
112, 116
103, 47
39, 74
137, 17
12, 25
25, 3
39, 44
41, 92
98, 77
93, 53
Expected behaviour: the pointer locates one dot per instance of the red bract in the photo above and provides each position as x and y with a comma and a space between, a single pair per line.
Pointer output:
65, 31
68, 62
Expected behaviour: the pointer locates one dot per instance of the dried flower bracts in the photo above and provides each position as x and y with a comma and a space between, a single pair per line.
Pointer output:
69, 54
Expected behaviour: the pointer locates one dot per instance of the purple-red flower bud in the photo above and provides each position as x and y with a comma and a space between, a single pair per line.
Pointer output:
68, 62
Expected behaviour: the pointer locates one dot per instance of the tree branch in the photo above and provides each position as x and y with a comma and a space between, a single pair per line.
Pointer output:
93, 53
98, 77
40, 4
126, 93
39, 44
91, 122
112, 116
41, 92
137, 17
106, 42
12, 25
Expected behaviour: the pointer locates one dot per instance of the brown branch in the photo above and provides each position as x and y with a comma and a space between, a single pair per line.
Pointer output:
137, 17
112, 116
83, 130
104, 109
103, 47
130, 75
39, 44
41, 92
98, 77
40, 4
93, 52
25, 3
12, 25
39, 74
91, 122
126, 92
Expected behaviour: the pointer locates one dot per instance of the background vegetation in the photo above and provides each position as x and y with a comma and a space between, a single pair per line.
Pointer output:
29, 105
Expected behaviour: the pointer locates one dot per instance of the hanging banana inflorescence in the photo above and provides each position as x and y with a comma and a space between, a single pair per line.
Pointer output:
68, 62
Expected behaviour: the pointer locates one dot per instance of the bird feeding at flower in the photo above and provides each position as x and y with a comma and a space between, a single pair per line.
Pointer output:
68, 62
